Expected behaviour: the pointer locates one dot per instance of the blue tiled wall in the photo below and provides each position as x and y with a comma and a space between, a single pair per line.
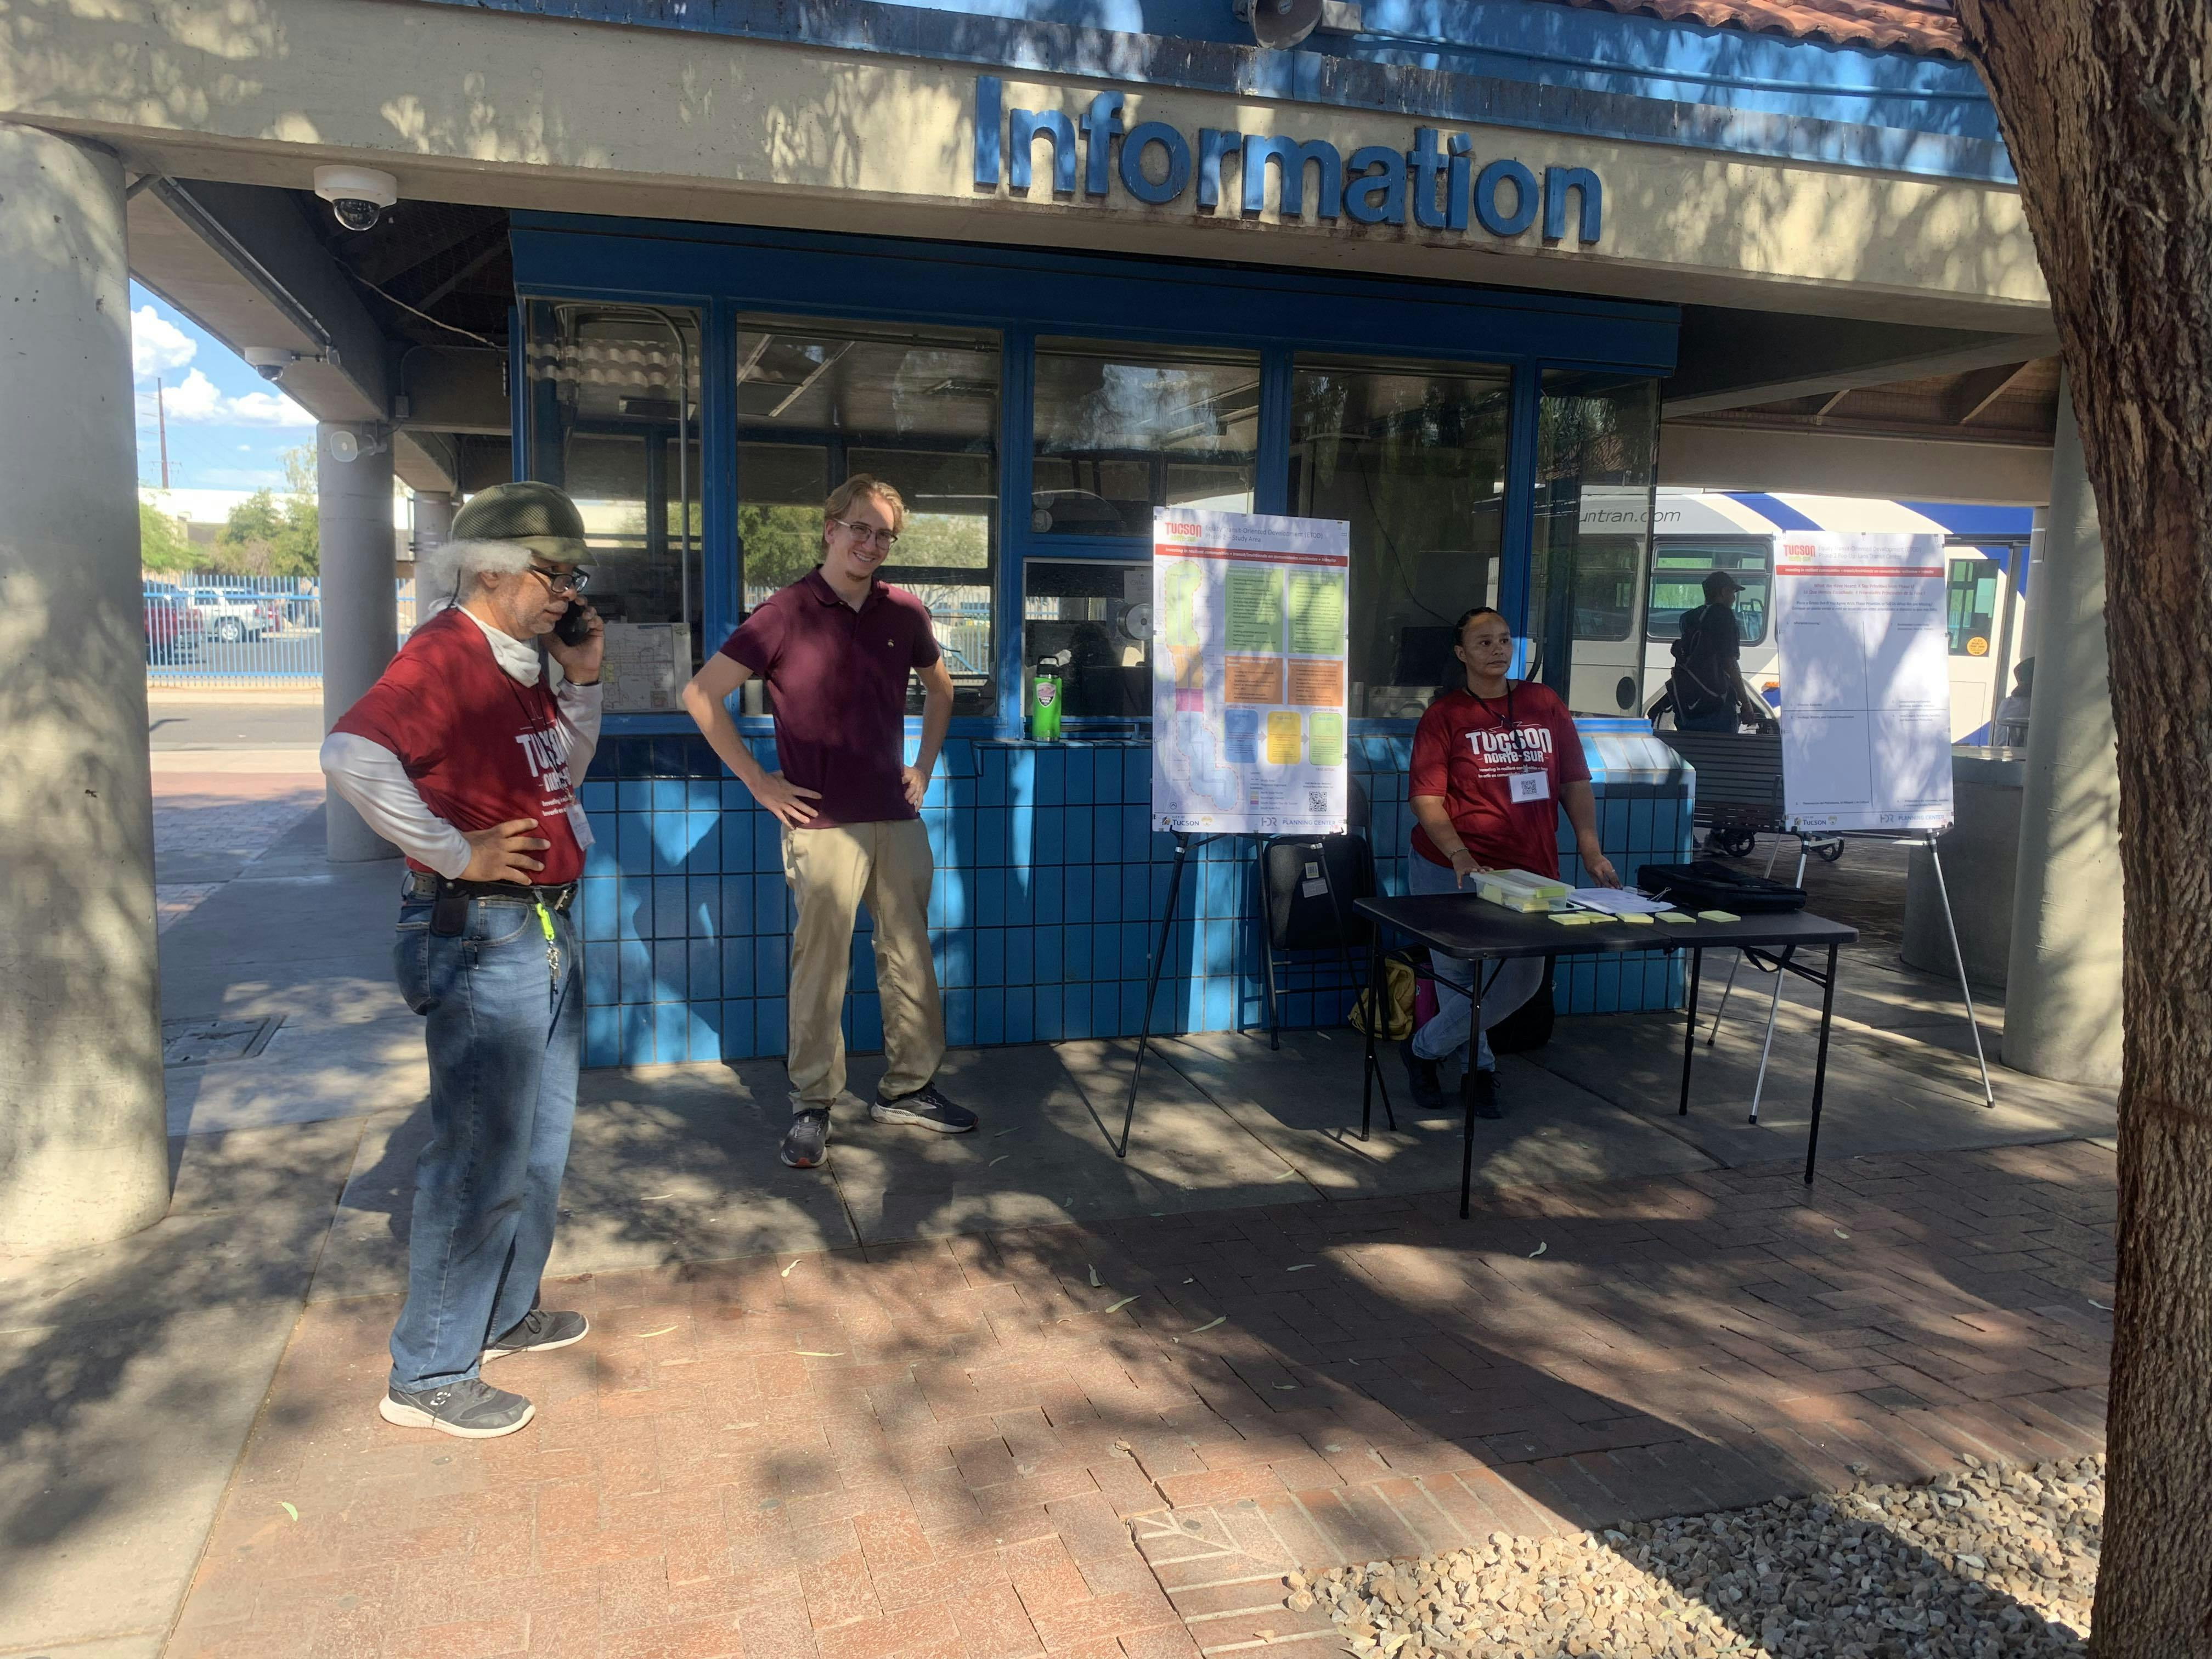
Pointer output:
1049, 890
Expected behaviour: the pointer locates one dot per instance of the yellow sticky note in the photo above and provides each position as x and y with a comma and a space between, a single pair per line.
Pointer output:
1572, 918
1635, 921
1679, 918
1718, 915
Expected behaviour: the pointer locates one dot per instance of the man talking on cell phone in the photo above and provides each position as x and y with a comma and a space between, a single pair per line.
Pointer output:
463, 755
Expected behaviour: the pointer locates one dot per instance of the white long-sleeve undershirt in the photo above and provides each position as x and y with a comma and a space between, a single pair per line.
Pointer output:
376, 783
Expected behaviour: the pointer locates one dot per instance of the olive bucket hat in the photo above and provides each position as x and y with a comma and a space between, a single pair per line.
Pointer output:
538, 515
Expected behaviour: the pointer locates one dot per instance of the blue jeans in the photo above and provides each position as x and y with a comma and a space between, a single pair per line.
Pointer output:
505, 1039
1505, 985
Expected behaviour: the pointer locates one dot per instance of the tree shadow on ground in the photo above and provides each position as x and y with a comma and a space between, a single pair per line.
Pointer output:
1338, 1380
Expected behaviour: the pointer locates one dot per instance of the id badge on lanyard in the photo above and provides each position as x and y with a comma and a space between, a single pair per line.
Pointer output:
1530, 786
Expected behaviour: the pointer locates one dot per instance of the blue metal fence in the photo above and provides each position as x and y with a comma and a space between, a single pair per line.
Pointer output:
206, 630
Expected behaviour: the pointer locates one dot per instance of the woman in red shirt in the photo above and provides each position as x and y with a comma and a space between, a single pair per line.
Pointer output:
1494, 760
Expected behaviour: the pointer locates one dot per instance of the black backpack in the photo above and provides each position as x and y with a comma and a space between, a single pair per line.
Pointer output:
1709, 884
1701, 678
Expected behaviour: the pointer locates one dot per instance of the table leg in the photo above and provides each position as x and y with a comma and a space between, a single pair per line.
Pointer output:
1820, 1063
1377, 995
1468, 1087
1690, 1030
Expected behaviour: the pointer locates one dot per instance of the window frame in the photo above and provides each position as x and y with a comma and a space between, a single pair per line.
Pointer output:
1981, 568
1749, 538
726, 270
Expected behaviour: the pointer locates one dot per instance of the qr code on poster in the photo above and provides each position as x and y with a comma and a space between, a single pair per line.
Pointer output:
1316, 800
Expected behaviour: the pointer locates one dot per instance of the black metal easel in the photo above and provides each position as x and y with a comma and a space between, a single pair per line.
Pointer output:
1184, 841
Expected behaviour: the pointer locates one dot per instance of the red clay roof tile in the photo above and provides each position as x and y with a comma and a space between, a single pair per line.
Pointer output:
1926, 27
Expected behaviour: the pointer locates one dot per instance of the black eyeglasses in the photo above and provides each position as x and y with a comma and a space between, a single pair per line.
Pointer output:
575, 582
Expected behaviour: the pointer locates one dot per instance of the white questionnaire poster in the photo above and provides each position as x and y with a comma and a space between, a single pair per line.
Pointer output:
1250, 627
1861, 628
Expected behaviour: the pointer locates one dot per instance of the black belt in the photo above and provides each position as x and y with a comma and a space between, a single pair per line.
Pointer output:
428, 884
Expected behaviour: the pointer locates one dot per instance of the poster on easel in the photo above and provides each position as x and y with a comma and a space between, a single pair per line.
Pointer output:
1251, 618
1863, 636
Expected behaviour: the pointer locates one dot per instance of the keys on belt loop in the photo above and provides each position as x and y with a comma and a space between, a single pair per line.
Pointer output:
552, 946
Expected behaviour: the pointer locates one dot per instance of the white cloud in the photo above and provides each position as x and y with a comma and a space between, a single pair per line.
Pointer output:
157, 345
197, 399
268, 408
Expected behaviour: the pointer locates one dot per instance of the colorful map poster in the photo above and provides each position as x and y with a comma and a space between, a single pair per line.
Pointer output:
1861, 626
1249, 726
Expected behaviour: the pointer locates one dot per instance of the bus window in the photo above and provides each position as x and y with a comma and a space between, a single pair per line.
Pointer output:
1971, 604
1680, 566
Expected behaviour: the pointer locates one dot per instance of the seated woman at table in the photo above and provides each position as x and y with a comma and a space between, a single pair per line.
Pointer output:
1494, 760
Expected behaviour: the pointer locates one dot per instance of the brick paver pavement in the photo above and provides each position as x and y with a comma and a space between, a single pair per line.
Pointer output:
1112, 1442
226, 814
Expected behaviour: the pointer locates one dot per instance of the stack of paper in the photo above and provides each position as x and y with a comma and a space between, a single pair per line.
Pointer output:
1618, 901
1517, 890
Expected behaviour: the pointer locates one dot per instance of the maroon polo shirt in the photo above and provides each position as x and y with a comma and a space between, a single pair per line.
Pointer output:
840, 677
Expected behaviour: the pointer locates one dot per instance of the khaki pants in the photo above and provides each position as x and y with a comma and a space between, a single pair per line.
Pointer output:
832, 872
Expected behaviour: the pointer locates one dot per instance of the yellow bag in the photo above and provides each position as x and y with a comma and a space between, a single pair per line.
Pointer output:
1399, 1025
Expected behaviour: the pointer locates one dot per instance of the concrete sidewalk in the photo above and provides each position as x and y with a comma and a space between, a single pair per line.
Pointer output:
941, 1335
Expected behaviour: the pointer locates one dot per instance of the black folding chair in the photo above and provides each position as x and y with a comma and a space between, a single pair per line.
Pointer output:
1307, 886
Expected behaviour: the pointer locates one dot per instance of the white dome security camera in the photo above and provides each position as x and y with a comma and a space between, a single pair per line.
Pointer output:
358, 196
269, 363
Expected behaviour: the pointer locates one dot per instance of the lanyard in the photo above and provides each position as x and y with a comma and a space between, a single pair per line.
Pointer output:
1507, 725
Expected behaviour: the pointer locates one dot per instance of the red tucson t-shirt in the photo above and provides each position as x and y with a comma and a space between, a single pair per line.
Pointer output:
839, 676
481, 748
1467, 749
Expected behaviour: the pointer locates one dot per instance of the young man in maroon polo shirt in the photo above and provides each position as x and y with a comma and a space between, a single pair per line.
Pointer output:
836, 647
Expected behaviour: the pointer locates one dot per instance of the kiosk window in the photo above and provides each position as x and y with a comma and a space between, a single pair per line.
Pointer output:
1092, 620
1412, 455
917, 407
1597, 447
1121, 428
613, 419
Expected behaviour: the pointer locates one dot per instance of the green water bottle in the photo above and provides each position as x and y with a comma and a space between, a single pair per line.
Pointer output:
1044, 701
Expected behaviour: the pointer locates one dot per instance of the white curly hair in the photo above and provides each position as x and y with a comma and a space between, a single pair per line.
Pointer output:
440, 573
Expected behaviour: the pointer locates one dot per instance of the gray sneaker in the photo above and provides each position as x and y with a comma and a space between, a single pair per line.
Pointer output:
925, 1109
470, 1408
806, 1142
538, 1331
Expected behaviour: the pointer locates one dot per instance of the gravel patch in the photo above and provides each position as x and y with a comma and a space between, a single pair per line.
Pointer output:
1980, 1564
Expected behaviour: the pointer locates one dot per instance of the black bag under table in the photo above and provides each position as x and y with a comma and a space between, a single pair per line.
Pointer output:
1473, 930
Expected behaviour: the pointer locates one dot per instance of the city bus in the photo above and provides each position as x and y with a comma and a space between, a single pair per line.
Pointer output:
1697, 531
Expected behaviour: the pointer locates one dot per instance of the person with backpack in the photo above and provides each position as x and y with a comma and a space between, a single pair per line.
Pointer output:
1707, 690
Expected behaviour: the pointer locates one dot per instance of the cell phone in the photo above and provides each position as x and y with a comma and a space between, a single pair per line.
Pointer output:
575, 626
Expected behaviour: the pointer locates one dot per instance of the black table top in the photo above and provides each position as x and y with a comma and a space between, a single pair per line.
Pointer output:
1466, 926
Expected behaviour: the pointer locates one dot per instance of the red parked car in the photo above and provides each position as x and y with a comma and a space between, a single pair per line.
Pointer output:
173, 626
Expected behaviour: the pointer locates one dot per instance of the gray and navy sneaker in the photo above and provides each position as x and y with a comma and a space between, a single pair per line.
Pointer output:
806, 1142
470, 1408
925, 1109
538, 1331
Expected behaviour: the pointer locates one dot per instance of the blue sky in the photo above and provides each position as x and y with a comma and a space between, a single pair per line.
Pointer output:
228, 427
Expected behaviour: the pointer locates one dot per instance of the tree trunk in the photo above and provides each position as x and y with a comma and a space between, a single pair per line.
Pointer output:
2105, 107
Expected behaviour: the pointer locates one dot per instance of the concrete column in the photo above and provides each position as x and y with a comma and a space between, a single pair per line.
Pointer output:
83, 1153
433, 521
360, 609
2062, 995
